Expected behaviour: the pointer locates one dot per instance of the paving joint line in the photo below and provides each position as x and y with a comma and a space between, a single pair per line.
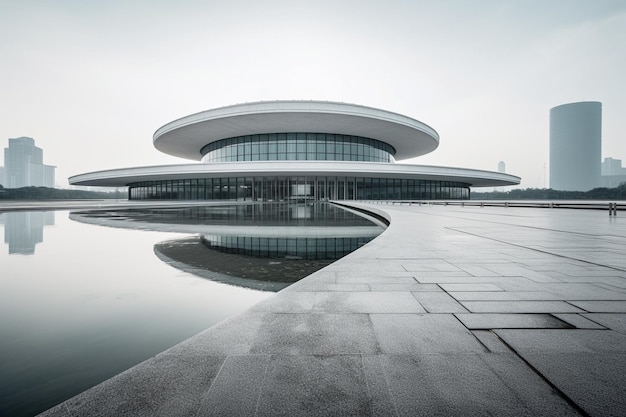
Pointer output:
537, 250
521, 225
391, 396
258, 398
556, 389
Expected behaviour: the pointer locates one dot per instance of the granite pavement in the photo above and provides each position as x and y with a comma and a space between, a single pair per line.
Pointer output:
451, 311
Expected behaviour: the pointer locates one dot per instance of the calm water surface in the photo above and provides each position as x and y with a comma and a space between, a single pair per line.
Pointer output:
81, 302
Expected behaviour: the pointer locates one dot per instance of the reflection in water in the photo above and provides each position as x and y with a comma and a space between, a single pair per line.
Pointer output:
24, 229
265, 274
90, 303
262, 246
97, 301
249, 214
301, 247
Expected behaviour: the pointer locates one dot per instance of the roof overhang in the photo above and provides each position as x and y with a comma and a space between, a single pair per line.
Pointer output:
186, 136
124, 176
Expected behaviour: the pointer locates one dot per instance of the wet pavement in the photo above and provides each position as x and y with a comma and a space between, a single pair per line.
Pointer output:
451, 311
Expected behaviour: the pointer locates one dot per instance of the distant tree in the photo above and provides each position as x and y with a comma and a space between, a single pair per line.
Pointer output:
45, 193
618, 193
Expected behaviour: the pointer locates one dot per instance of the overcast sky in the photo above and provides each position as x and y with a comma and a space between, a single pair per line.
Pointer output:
91, 81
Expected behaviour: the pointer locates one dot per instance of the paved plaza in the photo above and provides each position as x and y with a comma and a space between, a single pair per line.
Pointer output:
463, 311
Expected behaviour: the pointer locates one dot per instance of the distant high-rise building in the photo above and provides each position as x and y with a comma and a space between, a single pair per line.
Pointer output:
501, 166
575, 146
613, 174
23, 165
612, 166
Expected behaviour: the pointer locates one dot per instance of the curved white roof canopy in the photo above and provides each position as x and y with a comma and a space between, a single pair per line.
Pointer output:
124, 176
186, 136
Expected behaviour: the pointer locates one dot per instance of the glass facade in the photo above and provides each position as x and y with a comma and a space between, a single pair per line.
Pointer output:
298, 146
270, 188
280, 247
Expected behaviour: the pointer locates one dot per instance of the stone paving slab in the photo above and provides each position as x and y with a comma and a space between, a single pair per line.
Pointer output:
439, 302
451, 311
611, 283
305, 385
233, 336
473, 385
470, 287
604, 306
520, 307
595, 382
586, 365
580, 321
564, 341
364, 278
511, 321
316, 334
584, 292
502, 295
615, 322
464, 278
368, 302
423, 333
477, 270
369, 266
405, 287
491, 341
237, 387
333, 287
163, 386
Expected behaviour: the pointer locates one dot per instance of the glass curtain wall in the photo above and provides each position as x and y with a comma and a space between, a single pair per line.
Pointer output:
298, 146
298, 188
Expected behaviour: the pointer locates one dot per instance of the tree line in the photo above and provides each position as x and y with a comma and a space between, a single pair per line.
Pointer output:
617, 193
47, 193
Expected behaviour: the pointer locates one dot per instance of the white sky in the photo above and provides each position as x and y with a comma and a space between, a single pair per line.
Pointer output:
91, 81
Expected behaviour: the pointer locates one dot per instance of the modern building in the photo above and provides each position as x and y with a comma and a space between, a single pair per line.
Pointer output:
612, 166
296, 150
501, 166
575, 146
24, 167
613, 174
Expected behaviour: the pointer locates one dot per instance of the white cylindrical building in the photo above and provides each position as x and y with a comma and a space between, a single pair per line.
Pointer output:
575, 146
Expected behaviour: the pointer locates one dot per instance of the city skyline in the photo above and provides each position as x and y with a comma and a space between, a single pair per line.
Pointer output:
88, 79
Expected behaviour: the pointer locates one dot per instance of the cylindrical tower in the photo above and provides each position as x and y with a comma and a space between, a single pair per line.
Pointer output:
575, 146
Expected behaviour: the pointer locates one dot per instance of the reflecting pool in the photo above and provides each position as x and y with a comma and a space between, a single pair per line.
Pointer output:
80, 302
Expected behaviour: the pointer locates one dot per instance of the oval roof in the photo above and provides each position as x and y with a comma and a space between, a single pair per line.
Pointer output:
185, 137
124, 176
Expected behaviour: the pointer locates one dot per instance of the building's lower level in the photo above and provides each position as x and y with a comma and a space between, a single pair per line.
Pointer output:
279, 188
